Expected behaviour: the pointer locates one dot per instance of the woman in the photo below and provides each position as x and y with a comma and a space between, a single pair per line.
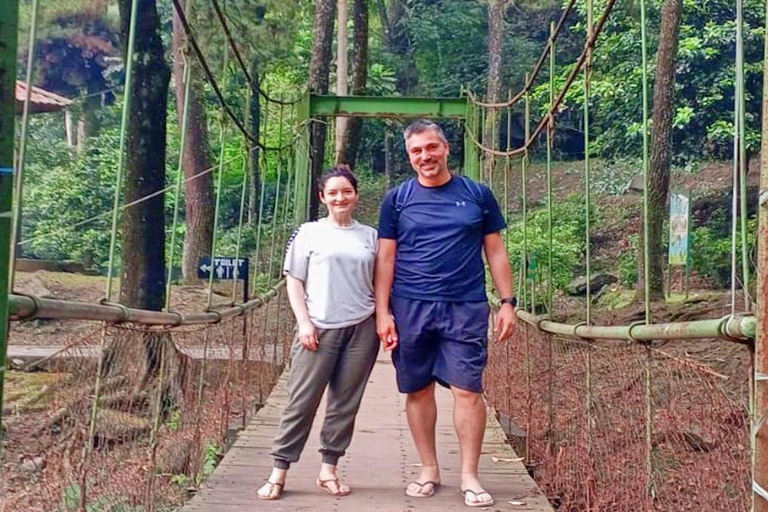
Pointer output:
329, 279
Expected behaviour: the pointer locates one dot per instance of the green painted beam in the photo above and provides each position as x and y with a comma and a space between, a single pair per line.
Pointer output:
380, 106
9, 16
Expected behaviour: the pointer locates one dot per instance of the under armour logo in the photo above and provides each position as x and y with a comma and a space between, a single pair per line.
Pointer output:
461, 203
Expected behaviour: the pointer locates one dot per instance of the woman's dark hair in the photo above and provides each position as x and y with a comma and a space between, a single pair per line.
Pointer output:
340, 171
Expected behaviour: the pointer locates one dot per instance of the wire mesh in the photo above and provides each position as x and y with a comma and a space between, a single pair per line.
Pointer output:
132, 418
577, 411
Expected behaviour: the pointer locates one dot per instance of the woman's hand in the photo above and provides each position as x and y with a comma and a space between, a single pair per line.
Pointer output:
308, 335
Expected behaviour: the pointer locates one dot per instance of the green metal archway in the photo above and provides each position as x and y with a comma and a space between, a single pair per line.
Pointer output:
313, 106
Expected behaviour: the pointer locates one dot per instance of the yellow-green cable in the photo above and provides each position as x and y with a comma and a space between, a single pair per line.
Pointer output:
646, 184
550, 141
214, 238
275, 209
179, 179
19, 175
742, 149
525, 192
587, 184
123, 136
243, 191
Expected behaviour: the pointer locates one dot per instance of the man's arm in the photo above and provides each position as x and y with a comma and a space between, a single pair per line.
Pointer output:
384, 276
501, 272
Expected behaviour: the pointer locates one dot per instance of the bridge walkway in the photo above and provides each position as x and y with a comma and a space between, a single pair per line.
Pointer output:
380, 462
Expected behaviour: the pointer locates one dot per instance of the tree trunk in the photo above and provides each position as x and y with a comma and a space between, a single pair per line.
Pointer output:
495, 61
342, 70
319, 70
143, 227
348, 151
661, 142
199, 202
254, 116
399, 43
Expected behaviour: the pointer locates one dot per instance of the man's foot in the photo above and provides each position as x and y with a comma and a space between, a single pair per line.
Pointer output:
474, 494
426, 484
329, 482
479, 498
273, 488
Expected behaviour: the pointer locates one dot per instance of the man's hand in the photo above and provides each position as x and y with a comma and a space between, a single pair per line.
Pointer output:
505, 322
308, 336
385, 328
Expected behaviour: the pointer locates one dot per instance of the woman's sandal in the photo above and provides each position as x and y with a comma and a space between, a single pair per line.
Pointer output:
323, 484
419, 494
272, 485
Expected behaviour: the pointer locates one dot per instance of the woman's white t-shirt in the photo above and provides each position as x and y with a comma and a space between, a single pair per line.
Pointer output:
336, 265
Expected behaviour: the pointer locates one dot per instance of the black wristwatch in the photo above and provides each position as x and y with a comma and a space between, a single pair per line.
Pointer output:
510, 300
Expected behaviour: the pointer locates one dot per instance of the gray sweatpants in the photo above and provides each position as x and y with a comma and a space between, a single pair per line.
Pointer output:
342, 362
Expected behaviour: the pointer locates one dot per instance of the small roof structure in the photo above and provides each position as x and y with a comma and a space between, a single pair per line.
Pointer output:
40, 100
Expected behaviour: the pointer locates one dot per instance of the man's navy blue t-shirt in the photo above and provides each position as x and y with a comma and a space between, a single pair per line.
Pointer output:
439, 233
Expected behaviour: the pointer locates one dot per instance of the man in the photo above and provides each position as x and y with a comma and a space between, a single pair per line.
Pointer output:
431, 306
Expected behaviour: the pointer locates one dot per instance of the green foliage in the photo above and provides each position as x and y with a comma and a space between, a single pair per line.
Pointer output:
703, 118
72, 495
568, 240
711, 251
628, 265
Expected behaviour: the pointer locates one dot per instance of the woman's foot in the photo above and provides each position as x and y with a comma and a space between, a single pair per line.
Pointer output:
329, 482
426, 484
273, 488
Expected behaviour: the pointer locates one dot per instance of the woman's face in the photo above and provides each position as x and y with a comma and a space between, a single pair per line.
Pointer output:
339, 196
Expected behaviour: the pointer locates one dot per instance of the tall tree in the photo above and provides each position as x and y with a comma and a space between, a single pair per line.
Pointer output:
319, 72
495, 60
199, 205
143, 226
661, 141
342, 72
350, 139
398, 39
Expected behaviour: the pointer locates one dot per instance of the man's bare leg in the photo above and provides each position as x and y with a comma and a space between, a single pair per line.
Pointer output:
421, 410
469, 420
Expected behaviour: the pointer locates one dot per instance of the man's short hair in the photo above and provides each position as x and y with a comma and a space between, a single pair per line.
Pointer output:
423, 125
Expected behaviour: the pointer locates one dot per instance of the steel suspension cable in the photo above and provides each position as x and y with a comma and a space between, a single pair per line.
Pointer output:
525, 197
123, 136
263, 168
742, 150
219, 180
238, 56
19, 177
539, 64
243, 191
587, 187
550, 142
276, 204
179, 178
646, 184
558, 101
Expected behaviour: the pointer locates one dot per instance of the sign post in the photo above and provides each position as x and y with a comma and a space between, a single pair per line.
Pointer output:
225, 268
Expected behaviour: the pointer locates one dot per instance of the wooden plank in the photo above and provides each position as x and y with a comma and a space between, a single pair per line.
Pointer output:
378, 466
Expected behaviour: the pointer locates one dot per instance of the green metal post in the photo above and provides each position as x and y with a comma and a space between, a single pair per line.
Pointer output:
9, 20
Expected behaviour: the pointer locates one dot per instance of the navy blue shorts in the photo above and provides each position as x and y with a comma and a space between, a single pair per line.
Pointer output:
442, 341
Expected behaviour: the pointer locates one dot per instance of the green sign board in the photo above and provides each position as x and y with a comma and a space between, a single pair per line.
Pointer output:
679, 222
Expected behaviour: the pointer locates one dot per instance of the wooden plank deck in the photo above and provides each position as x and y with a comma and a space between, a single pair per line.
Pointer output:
381, 460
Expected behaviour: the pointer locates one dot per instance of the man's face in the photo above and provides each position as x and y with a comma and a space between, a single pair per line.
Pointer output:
428, 154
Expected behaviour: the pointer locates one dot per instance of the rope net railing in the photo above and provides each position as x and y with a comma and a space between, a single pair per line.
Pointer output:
577, 410
108, 407
134, 418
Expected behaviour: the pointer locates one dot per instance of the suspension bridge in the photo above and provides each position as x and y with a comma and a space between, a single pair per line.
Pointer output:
134, 409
